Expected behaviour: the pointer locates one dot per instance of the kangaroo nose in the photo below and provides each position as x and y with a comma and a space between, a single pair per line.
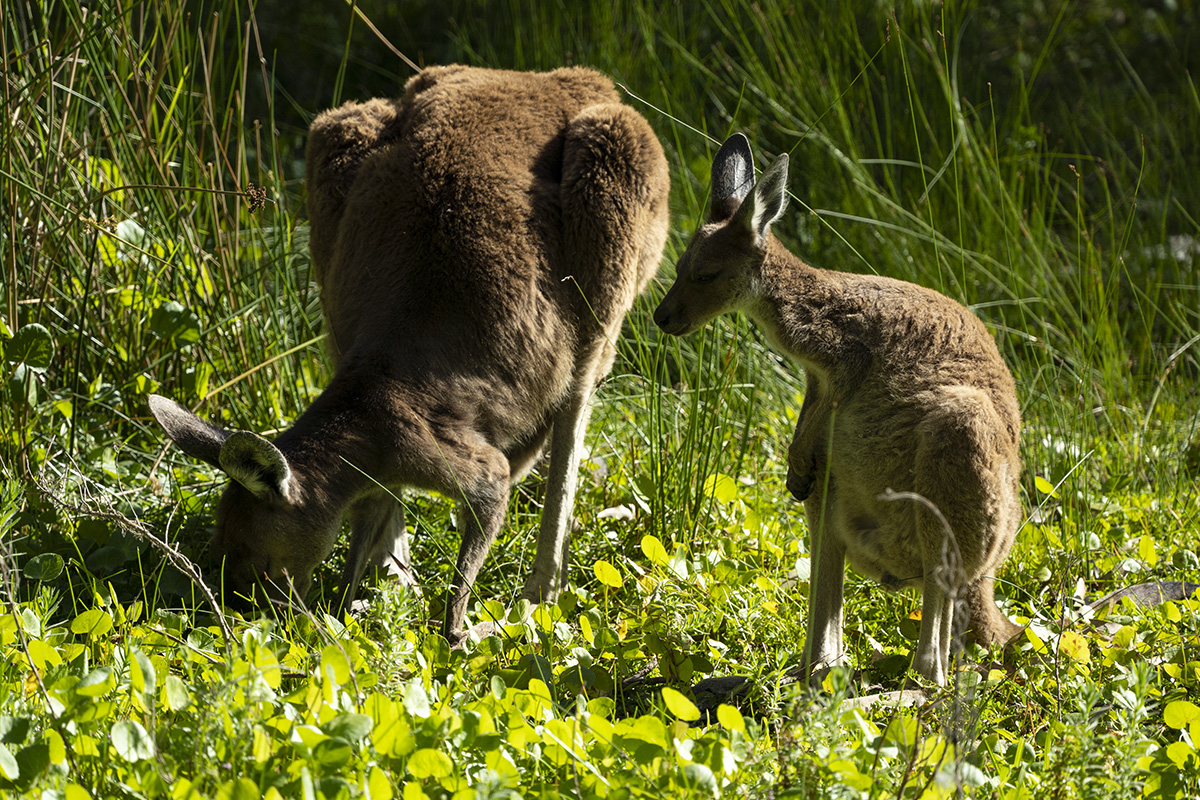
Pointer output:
661, 317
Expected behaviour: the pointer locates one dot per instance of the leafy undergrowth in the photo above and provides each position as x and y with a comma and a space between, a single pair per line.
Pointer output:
1032, 160
591, 696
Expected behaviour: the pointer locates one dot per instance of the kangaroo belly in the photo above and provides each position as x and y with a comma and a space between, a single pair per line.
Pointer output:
881, 547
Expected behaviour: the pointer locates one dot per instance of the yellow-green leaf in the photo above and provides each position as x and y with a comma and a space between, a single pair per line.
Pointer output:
93, 622
379, 785
335, 664
42, 654
1044, 486
76, 792
722, 487
1179, 753
1074, 646
1146, 550
429, 763
1180, 713
607, 574
654, 550
730, 718
55, 745
240, 789
96, 683
8, 765
679, 705
413, 791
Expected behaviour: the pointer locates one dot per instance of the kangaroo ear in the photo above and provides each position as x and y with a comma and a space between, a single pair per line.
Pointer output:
770, 195
246, 457
257, 464
767, 202
191, 434
732, 177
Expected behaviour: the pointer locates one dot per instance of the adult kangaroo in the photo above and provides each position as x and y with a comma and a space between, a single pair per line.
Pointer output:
905, 391
477, 244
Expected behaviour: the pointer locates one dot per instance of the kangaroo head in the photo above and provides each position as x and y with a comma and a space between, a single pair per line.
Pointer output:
719, 270
267, 535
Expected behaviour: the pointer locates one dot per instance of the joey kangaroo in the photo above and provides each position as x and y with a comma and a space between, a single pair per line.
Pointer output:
905, 391
477, 244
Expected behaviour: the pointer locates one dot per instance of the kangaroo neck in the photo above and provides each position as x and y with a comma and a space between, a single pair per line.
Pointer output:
806, 313
332, 448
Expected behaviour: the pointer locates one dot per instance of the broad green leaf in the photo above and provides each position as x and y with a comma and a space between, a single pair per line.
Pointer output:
1074, 647
1044, 486
699, 776
175, 693
543, 617
8, 764
143, 676
378, 785
654, 550
173, 322
131, 741
333, 753
240, 789
1180, 752
730, 718
1125, 636
1147, 551
56, 746
1180, 713
351, 727
92, 623
30, 622
309, 735
651, 730
43, 567
722, 487
76, 792
902, 731
32, 346
96, 683
42, 654
679, 562
416, 700
607, 574
23, 385
33, 760
429, 763
14, 730
335, 664
261, 748
679, 705
394, 737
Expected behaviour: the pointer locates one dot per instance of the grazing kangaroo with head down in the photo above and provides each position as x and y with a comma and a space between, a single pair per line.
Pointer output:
905, 391
477, 244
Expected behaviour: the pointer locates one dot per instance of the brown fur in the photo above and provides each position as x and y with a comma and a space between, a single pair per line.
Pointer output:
477, 243
906, 393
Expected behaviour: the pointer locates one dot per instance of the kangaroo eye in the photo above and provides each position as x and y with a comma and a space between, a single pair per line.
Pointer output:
706, 278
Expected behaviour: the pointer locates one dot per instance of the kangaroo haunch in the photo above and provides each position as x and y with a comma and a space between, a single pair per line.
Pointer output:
477, 243
905, 451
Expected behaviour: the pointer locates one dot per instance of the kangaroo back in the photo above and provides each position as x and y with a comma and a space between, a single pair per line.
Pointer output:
477, 243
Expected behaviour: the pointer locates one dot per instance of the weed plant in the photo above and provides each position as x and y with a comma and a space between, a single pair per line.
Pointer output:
1037, 162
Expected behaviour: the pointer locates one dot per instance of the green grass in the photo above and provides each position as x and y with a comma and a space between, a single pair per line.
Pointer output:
1038, 165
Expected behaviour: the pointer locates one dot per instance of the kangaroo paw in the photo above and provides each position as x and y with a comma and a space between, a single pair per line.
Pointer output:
800, 484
